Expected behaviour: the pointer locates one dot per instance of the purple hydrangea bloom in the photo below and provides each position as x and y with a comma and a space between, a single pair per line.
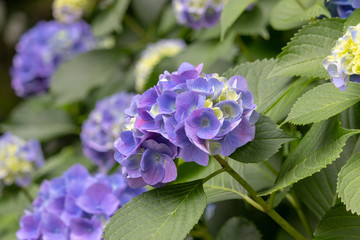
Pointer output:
75, 206
188, 114
18, 159
198, 14
344, 8
103, 127
42, 49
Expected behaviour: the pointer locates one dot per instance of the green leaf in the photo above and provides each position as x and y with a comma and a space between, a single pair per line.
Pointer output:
323, 102
353, 20
169, 212
238, 228
110, 19
232, 10
265, 91
281, 108
75, 78
348, 184
303, 56
268, 140
318, 192
319, 147
37, 118
338, 224
253, 22
288, 14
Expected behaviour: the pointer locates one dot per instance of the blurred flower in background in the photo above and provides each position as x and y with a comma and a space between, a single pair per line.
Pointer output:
70, 11
75, 206
18, 159
103, 127
42, 49
152, 55
344, 8
198, 14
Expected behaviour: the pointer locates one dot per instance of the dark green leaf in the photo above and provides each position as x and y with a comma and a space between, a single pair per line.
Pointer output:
353, 20
75, 78
238, 228
338, 224
110, 19
319, 147
164, 213
37, 118
303, 56
268, 140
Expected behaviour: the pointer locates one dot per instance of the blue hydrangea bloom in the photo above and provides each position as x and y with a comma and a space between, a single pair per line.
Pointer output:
198, 14
103, 127
18, 159
75, 206
188, 114
42, 49
344, 8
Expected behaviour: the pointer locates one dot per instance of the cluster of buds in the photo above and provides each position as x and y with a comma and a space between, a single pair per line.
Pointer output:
103, 127
152, 55
42, 49
18, 159
75, 206
188, 115
343, 65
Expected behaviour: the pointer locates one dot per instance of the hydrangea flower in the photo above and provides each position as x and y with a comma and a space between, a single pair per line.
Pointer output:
188, 114
70, 11
42, 49
103, 127
18, 159
343, 65
152, 55
198, 14
344, 8
75, 206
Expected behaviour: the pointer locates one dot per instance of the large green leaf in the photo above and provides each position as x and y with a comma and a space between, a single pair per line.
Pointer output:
338, 224
303, 56
349, 184
110, 19
265, 91
268, 140
281, 108
37, 118
323, 102
232, 10
289, 14
238, 228
319, 147
75, 78
164, 213
353, 20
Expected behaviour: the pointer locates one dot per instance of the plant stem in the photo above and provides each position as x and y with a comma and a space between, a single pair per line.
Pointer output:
27, 194
135, 28
266, 208
213, 175
244, 49
301, 4
294, 202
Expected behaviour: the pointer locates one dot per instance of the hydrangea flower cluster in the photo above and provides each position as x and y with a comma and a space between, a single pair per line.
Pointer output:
103, 127
188, 114
198, 14
344, 8
18, 159
42, 49
343, 65
152, 55
75, 206
70, 11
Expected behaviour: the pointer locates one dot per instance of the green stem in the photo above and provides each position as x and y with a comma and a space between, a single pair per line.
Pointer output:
213, 175
294, 202
244, 49
136, 28
27, 194
266, 208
